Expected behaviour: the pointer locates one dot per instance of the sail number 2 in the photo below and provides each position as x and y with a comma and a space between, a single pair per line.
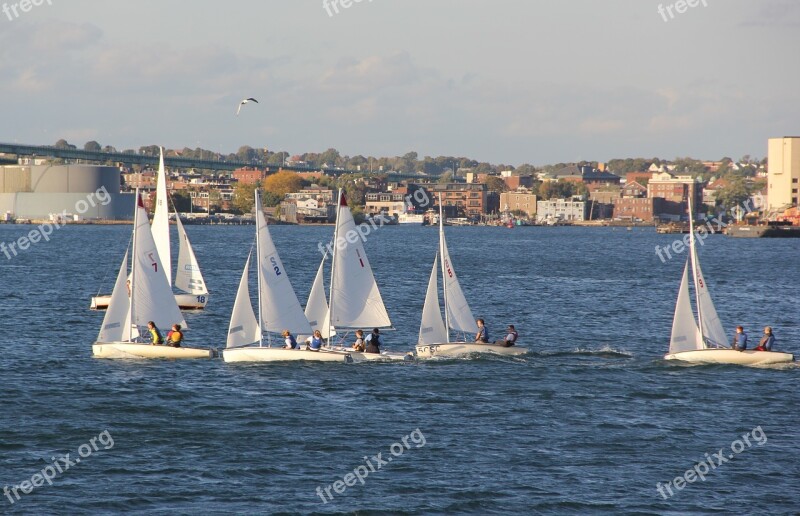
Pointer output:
275, 265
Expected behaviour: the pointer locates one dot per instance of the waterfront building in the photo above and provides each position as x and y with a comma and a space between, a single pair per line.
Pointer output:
676, 191
462, 199
574, 209
519, 200
783, 172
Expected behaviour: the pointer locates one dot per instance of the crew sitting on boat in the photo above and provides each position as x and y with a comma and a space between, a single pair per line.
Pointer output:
155, 336
175, 336
511, 337
767, 341
359, 345
373, 342
314, 343
291, 342
739, 339
483, 333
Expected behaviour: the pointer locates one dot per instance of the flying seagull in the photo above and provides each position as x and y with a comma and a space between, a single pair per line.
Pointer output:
245, 101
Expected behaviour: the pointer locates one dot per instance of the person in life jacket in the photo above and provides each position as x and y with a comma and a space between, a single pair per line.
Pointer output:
359, 345
155, 336
175, 336
767, 341
511, 337
289, 340
373, 342
483, 333
314, 343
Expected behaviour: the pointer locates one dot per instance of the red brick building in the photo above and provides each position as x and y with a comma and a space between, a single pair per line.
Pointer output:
248, 176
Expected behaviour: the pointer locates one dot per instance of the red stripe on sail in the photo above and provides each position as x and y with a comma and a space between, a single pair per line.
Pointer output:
140, 202
360, 260
342, 200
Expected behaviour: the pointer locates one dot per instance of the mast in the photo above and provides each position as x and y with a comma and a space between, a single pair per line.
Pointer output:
693, 254
133, 261
444, 259
258, 271
333, 265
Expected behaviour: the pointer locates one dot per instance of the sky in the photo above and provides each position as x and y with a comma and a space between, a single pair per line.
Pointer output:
503, 81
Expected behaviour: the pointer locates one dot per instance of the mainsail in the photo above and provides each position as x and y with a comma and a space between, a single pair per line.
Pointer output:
432, 329
151, 295
280, 309
355, 300
458, 314
160, 227
188, 276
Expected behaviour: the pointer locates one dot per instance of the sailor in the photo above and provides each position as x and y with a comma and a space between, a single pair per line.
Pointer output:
314, 343
373, 342
483, 333
155, 336
290, 341
739, 339
359, 345
175, 336
511, 337
767, 341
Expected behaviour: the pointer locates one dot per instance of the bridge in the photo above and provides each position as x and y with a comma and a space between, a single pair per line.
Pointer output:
132, 158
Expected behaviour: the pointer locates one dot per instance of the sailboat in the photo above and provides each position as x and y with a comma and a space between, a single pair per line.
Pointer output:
434, 333
188, 277
278, 310
355, 300
702, 339
138, 298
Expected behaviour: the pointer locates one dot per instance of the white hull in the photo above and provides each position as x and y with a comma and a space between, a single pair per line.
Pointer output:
253, 354
730, 356
464, 348
385, 356
132, 350
185, 302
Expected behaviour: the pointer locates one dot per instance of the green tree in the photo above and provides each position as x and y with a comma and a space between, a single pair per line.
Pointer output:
244, 197
733, 195
496, 184
181, 200
445, 178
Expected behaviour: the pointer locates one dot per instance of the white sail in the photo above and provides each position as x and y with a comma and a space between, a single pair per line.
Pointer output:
188, 276
710, 325
280, 309
243, 328
160, 227
152, 297
356, 301
685, 333
317, 305
432, 329
116, 323
459, 316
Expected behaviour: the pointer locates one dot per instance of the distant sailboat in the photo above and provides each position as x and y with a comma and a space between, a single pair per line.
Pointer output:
188, 277
434, 333
278, 310
144, 297
706, 342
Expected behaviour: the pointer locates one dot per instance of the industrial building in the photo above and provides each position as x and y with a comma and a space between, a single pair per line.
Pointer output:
82, 192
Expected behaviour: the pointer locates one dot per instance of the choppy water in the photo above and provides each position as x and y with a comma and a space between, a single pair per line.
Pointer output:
589, 423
